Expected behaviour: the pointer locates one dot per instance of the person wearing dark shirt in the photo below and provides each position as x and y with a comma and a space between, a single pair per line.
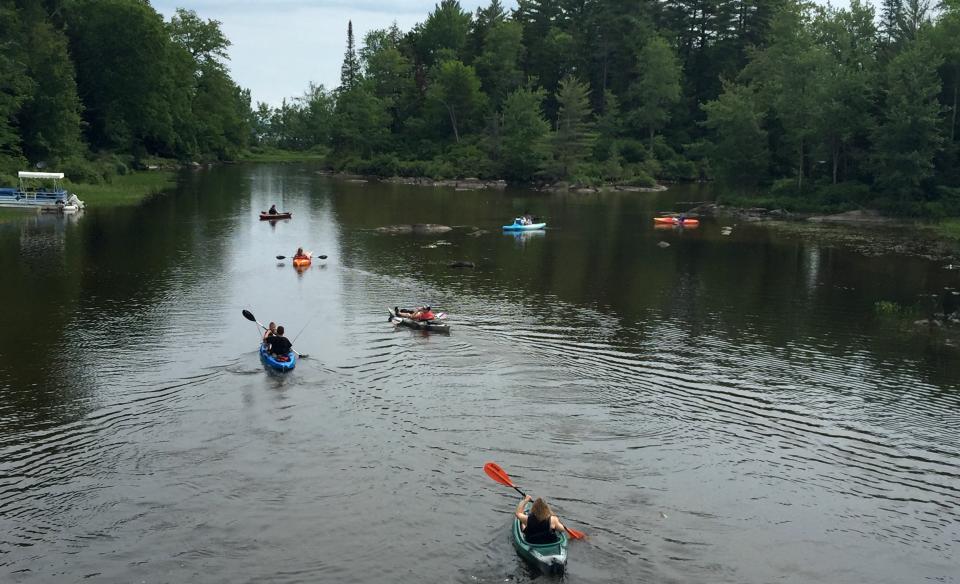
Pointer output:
279, 344
540, 525
273, 210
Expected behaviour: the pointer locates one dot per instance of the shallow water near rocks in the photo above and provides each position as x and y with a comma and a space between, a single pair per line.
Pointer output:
730, 408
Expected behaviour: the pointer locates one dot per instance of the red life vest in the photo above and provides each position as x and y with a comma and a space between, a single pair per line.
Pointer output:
427, 315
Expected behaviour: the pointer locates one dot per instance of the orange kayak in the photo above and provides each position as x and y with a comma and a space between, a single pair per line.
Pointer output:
301, 262
675, 221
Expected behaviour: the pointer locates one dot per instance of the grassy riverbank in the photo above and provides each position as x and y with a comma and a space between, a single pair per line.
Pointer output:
128, 189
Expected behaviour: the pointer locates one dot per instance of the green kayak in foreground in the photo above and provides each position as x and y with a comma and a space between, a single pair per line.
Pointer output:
549, 558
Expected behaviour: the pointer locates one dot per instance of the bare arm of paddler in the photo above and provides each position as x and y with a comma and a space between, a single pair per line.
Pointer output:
555, 524
519, 513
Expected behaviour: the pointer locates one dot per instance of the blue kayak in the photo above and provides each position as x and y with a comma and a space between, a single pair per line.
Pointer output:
270, 362
520, 227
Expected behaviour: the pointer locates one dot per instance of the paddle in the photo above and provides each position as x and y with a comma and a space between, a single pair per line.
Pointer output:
496, 473
280, 257
249, 316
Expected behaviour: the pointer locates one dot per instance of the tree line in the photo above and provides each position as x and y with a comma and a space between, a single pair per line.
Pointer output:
783, 101
95, 87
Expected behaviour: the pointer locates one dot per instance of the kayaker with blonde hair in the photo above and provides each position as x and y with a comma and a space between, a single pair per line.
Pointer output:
540, 525
271, 330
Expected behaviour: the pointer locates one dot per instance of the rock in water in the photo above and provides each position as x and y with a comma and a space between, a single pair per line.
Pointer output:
462, 264
663, 244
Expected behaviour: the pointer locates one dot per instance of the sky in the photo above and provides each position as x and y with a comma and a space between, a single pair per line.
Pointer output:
280, 46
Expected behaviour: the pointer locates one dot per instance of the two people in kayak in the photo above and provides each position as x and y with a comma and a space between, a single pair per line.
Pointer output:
419, 314
277, 344
525, 219
540, 525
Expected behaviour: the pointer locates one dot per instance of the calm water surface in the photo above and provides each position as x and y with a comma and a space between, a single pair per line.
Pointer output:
726, 409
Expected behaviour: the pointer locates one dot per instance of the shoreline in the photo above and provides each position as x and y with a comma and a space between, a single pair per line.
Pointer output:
473, 184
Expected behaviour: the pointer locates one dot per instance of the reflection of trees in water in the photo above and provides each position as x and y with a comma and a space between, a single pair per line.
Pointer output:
757, 287
82, 285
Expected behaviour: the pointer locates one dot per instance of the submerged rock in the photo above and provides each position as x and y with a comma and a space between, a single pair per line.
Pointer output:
419, 228
462, 264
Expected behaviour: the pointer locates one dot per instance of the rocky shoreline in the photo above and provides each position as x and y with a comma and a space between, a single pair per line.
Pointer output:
473, 184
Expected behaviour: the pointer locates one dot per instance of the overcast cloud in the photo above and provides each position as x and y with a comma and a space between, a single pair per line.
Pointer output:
280, 46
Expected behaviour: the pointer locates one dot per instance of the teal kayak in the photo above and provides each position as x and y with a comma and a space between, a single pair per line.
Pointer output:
521, 227
270, 362
549, 558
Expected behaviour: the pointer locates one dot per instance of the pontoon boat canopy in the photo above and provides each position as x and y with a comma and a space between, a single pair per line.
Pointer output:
23, 174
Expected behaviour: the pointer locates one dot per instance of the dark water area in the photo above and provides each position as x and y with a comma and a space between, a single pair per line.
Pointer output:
725, 409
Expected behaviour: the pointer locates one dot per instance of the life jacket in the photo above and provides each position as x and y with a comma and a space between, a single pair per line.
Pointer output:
538, 532
428, 315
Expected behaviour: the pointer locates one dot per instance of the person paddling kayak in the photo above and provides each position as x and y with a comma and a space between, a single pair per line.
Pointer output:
273, 210
279, 345
421, 314
540, 525
271, 330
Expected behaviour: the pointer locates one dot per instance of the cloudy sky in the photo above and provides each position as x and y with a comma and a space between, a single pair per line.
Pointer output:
280, 46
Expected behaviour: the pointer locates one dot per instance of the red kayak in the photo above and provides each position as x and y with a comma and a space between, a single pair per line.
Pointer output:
264, 216
675, 221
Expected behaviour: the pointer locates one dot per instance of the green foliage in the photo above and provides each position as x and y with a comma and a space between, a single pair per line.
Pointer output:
657, 88
574, 137
908, 136
739, 149
524, 149
454, 93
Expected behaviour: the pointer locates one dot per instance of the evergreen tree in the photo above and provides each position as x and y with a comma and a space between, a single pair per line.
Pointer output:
574, 135
908, 136
739, 153
524, 146
350, 70
657, 88
49, 119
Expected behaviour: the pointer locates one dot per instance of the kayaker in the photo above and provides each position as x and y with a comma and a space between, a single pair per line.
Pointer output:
279, 345
301, 254
422, 313
273, 210
540, 525
527, 218
271, 330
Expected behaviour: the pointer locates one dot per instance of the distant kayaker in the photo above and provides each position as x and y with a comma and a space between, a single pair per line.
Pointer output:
301, 254
527, 218
540, 525
279, 344
271, 330
273, 210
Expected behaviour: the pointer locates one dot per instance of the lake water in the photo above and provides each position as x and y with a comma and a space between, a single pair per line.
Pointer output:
725, 409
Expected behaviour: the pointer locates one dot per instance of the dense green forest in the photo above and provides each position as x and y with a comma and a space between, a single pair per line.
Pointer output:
781, 102
784, 102
94, 88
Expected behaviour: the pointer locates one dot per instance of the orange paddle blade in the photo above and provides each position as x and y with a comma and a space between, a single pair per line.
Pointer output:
496, 473
576, 534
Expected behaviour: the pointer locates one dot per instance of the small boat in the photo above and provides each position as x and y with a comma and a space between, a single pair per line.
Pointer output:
518, 226
49, 195
549, 558
271, 362
676, 221
434, 326
302, 262
264, 216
